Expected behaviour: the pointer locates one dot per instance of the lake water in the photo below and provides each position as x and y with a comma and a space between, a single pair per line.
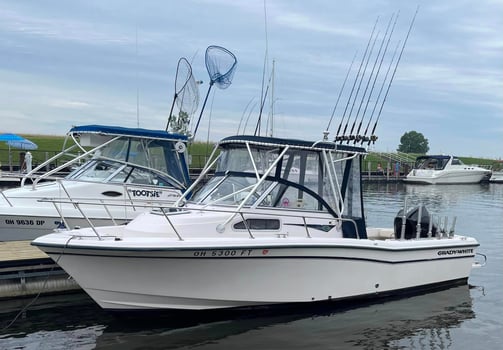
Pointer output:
464, 317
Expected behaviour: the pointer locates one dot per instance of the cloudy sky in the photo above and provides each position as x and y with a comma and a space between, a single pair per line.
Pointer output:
67, 63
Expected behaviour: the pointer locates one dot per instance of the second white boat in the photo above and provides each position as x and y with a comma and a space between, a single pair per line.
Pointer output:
442, 169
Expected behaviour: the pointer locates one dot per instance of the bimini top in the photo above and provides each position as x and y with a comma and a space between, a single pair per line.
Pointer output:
121, 131
271, 141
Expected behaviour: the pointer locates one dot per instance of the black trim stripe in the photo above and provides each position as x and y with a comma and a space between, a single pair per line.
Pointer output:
288, 257
376, 248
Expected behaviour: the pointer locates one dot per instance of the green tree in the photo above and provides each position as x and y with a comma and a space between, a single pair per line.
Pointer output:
413, 142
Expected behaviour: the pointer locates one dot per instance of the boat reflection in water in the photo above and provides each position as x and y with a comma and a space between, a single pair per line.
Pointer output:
418, 322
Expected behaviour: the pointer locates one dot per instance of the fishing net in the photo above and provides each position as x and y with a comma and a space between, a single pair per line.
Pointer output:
186, 97
220, 64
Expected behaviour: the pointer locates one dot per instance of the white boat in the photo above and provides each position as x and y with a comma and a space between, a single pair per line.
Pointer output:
281, 221
443, 169
496, 177
112, 166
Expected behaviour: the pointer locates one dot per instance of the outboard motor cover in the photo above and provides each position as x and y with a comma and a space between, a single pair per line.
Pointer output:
411, 220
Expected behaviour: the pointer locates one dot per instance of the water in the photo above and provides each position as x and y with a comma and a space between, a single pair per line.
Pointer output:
465, 317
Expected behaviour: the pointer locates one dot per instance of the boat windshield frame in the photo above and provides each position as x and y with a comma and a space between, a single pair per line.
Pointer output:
131, 164
434, 162
174, 173
257, 172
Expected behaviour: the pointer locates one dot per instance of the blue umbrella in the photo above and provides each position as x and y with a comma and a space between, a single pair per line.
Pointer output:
16, 141
22, 144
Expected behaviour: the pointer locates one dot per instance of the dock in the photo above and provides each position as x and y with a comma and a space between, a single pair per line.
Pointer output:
26, 271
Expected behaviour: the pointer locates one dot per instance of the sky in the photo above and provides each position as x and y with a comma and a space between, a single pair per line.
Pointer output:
66, 63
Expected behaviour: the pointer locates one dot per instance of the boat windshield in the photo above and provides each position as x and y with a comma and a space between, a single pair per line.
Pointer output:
300, 179
136, 160
432, 163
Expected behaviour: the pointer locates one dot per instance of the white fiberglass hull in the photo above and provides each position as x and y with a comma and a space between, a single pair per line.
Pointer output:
162, 273
25, 214
433, 177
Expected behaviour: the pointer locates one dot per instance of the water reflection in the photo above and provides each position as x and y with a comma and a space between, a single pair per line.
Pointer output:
383, 200
76, 322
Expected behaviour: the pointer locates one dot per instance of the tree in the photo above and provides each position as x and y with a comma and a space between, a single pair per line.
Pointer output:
413, 142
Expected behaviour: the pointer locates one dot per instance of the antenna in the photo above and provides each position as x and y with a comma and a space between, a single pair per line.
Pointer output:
271, 111
137, 87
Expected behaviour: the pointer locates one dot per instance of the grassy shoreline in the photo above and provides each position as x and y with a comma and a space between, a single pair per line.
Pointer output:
49, 145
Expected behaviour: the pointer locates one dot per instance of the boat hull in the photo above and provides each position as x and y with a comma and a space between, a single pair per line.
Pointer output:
26, 214
240, 276
433, 177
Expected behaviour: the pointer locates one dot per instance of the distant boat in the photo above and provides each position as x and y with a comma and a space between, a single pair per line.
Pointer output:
281, 221
445, 169
112, 166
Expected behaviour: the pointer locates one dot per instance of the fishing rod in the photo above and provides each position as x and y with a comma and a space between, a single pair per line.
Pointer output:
373, 137
358, 90
338, 97
259, 120
354, 84
364, 138
357, 133
266, 57
243, 115
249, 115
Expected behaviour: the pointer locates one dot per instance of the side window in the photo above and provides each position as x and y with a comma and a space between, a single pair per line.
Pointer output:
258, 224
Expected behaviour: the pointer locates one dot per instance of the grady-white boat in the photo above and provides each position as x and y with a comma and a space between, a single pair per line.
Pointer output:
281, 221
440, 169
120, 165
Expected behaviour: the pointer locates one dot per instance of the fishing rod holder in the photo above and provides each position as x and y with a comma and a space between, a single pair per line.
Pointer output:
356, 138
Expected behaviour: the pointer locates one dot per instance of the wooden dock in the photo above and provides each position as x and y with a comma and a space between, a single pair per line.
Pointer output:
25, 270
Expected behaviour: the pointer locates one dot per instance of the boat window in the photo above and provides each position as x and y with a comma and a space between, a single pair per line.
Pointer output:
239, 160
117, 149
457, 161
258, 224
226, 190
159, 155
97, 170
138, 153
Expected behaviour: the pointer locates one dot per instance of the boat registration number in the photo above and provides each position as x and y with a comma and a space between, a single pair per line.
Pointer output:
223, 253
24, 222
